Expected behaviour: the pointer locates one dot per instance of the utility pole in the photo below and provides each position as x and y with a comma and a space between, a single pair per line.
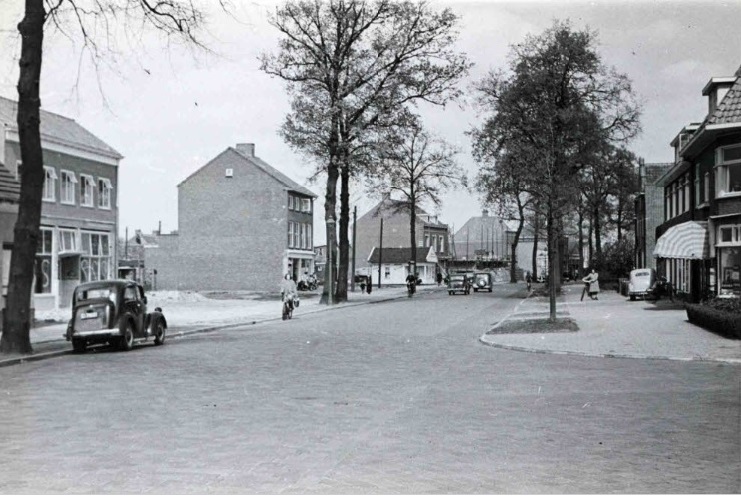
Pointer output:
354, 219
380, 255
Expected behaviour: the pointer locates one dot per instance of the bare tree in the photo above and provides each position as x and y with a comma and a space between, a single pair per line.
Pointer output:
176, 19
351, 63
419, 168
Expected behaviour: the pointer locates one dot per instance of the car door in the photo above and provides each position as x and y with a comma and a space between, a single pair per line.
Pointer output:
134, 305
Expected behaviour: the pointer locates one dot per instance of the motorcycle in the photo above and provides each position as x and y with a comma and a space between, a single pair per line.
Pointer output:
410, 289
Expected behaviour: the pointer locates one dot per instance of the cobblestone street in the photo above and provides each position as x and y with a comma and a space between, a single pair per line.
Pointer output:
392, 397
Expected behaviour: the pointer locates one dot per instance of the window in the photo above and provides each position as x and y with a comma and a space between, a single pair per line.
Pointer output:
95, 263
728, 170
698, 186
68, 187
302, 236
42, 265
706, 184
729, 235
50, 184
290, 202
306, 205
67, 240
295, 235
427, 240
686, 197
386, 271
104, 193
309, 237
86, 190
290, 233
667, 203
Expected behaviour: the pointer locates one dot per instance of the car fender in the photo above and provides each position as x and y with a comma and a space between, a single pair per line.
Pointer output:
155, 316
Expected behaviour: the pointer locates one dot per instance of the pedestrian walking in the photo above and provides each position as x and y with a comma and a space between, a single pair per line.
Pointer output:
591, 285
370, 285
529, 280
439, 278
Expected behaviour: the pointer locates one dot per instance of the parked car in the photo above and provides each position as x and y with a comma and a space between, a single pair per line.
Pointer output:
458, 283
640, 283
113, 312
482, 281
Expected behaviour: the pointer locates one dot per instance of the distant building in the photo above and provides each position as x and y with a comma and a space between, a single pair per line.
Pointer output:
482, 238
395, 266
649, 212
79, 214
429, 231
242, 225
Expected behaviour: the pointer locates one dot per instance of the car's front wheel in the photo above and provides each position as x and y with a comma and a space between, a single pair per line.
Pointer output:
127, 337
159, 332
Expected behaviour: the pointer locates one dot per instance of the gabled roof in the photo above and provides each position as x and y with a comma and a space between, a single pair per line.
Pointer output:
10, 188
484, 225
286, 181
388, 207
399, 255
59, 129
725, 117
729, 109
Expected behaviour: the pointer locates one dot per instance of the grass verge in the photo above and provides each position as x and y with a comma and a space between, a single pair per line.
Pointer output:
535, 326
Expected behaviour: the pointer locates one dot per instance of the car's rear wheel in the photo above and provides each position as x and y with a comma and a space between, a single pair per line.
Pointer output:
127, 337
159, 332
632, 297
79, 345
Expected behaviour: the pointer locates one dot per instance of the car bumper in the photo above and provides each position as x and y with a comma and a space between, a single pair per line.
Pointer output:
96, 333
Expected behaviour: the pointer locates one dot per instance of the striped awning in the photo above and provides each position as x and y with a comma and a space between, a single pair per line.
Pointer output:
688, 240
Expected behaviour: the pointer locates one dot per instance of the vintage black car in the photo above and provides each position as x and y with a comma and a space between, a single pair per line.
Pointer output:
458, 283
113, 312
482, 282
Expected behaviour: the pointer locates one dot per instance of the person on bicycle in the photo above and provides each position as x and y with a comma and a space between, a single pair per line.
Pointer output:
411, 281
288, 290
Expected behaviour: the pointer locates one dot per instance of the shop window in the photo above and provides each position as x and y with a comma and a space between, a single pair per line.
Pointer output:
95, 263
730, 271
42, 266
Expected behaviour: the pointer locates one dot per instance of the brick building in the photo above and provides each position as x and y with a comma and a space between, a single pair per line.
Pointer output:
242, 225
429, 231
79, 214
649, 209
699, 243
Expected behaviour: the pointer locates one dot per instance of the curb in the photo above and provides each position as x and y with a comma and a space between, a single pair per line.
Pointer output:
57, 353
484, 340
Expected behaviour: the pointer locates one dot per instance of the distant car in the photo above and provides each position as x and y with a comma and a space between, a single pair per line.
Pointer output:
458, 283
113, 312
482, 281
640, 283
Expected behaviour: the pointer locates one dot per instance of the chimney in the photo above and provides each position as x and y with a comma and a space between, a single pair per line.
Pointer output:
247, 149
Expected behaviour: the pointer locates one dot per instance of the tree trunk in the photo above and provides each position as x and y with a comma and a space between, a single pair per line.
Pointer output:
551, 262
344, 261
581, 244
536, 238
597, 233
17, 315
412, 227
515, 242
330, 217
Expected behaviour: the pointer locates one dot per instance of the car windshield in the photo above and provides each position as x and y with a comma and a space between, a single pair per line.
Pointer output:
456, 278
642, 274
93, 293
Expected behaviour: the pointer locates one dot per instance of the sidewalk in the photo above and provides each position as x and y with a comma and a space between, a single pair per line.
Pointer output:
613, 326
190, 312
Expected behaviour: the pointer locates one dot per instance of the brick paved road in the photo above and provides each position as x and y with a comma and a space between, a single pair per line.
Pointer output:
396, 397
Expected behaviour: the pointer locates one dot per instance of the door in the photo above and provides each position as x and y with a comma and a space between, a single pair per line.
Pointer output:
134, 305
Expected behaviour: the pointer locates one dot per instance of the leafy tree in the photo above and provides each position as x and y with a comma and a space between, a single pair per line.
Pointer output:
419, 168
175, 19
558, 105
349, 65
617, 259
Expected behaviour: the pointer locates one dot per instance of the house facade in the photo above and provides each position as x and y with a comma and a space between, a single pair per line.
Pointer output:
242, 225
395, 267
649, 212
429, 232
698, 245
79, 215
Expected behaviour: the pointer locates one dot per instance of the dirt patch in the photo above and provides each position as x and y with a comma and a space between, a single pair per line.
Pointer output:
535, 326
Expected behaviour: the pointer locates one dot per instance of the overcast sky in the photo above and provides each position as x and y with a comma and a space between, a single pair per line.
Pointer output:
170, 111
